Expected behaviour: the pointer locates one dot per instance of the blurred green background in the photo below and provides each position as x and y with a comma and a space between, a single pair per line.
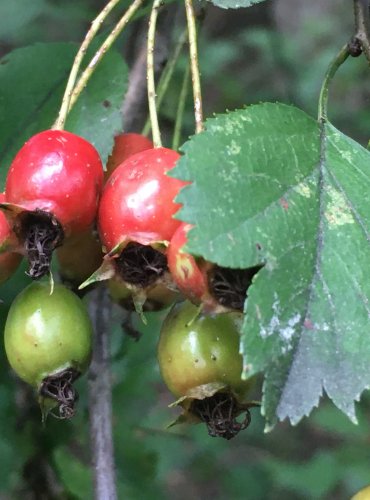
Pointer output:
274, 51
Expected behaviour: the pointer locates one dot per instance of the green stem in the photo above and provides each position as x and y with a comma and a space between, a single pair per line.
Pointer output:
194, 64
95, 26
106, 45
147, 10
166, 77
180, 109
332, 69
150, 75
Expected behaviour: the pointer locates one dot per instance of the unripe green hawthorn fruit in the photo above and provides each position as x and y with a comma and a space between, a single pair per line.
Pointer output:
363, 494
201, 365
194, 351
48, 339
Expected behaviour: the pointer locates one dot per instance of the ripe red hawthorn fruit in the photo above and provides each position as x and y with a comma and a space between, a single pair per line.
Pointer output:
218, 289
48, 341
126, 145
135, 218
52, 192
201, 365
158, 297
9, 260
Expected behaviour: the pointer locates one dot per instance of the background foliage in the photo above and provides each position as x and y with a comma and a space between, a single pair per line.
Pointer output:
253, 55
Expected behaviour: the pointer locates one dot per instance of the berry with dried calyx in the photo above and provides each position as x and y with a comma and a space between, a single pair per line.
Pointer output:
48, 341
52, 193
135, 220
137, 203
218, 289
201, 365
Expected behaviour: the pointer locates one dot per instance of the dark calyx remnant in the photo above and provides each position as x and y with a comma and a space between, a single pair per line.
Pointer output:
229, 286
141, 265
41, 233
219, 413
59, 388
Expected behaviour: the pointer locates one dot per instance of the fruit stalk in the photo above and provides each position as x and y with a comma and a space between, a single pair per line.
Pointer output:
95, 26
180, 109
194, 64
166, 77
339, 59
100, 399
105, 46
150, 75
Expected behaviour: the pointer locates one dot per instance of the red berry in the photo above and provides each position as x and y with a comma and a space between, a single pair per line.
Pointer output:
186, 271
217, 288
60, 173
9, 260
136, 221
126, 145
53, 189
138, 200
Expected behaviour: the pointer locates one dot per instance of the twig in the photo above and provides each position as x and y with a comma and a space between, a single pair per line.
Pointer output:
100, 399
166, 77
180, 109
150, 75
95, 26
105, 46
362, 23
324, 93
194, 64
135, 104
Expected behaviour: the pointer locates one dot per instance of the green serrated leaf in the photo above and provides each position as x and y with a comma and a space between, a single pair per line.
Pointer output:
269, 186
32, 81
235, 4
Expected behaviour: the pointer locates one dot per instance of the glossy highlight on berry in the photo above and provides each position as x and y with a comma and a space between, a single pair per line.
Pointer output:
52, 192
48, 341
137, 203
201, 365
